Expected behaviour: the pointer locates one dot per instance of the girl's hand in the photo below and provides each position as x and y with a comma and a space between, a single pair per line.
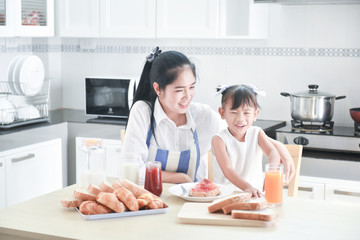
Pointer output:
289, 168
253, 191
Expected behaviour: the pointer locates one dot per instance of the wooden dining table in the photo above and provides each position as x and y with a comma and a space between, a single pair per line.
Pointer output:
45, 218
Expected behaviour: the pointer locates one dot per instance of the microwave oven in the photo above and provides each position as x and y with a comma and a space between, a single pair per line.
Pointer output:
109, 98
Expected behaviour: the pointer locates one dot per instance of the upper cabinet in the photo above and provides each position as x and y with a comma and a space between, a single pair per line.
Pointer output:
77, 18
187, 18
243, 19
106, 18
162, 19
127, 19
26, 18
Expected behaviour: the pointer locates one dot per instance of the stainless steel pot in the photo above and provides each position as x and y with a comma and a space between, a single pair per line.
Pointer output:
312, 105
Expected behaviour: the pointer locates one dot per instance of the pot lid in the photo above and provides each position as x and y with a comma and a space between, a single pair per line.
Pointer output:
313, 92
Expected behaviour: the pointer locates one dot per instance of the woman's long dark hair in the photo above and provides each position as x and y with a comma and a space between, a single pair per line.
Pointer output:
162, 68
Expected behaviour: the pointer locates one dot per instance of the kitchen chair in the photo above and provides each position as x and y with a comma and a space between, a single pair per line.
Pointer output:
295, 152
122, 135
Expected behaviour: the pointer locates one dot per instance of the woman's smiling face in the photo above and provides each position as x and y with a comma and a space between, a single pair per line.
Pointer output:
175, 99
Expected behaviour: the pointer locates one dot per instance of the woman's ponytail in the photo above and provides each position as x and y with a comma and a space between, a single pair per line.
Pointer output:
144, 88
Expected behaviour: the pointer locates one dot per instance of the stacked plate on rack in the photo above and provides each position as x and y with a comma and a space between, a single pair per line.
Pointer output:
26, 74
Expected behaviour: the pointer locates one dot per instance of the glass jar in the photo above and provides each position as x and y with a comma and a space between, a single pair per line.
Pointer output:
93, 165
153, 181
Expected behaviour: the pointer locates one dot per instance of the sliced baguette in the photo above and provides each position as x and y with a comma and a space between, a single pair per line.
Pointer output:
116, 184
94, 189
218, 204
71, 202
267, 214
105, 186
253, 204
84, 194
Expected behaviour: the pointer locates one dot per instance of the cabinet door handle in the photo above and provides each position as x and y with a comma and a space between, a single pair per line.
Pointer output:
0, 164
15, 160
346, 193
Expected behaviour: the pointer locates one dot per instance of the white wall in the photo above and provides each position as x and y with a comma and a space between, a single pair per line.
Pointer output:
307, 44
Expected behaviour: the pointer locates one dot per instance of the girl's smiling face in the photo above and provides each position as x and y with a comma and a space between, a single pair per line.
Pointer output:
175, 99
239, 120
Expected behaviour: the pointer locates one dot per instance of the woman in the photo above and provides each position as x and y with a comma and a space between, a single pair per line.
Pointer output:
165, 125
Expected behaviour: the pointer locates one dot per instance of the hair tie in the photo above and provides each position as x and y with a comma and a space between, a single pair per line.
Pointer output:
151, 57
221, 89
255, 90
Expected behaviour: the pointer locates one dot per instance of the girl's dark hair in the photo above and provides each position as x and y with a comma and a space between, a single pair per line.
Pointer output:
239, 95
162, 68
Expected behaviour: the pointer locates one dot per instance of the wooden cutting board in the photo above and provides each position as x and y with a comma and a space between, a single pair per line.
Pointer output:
197, 213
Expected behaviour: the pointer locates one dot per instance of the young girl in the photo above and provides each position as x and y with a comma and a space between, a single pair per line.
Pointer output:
239, 148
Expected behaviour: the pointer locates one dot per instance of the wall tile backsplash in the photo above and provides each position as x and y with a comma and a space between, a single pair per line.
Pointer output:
247, 51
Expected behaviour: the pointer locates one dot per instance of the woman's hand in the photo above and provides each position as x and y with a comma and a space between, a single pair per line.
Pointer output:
175, 177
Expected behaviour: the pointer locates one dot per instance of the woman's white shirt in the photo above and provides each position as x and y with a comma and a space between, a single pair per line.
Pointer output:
200, 117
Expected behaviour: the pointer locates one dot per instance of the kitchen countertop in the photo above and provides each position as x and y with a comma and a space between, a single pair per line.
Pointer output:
78, 116
45, 218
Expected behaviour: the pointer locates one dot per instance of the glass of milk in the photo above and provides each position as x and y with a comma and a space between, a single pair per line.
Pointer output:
129, 167
94, 163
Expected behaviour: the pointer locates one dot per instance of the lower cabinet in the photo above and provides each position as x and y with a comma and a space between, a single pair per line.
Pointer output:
2, 183
345, 191
329, 189
112, 153
31, 171
311, 190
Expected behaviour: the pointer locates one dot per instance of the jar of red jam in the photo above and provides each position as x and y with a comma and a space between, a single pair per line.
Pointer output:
153, 181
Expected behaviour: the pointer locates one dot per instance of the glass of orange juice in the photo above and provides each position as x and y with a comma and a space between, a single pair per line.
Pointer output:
274, 183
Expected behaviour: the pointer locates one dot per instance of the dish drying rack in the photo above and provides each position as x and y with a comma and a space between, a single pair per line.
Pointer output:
27, 109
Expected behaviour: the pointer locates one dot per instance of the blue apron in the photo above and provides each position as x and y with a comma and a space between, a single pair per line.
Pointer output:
186, 161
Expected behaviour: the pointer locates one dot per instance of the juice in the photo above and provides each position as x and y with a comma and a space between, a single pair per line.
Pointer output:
274, 185
153, 178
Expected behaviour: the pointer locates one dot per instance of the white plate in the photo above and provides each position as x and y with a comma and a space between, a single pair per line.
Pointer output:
10, 72
27, 112
177, 191
123, 214
31, 75
7, 112
16, 74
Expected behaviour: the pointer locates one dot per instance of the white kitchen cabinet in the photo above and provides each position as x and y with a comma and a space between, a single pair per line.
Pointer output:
345, 191
229, 19
26, 18
112, 155
310, 190
187, 18
127, 19
33, 170
243, 19
5, 15
2, 183
77, 18
106, 18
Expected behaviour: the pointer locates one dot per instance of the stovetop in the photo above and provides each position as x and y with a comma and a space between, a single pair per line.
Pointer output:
339, 131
